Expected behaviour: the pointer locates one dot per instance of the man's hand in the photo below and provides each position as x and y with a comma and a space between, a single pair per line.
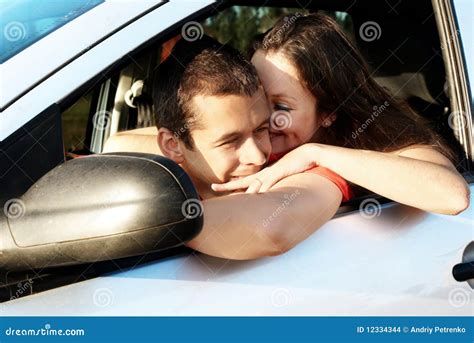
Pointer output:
294, 162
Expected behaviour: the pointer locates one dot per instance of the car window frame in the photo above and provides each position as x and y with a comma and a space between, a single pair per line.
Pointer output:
347, 207
456, 75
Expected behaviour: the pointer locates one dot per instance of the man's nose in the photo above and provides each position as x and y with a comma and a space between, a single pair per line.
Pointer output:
252, 154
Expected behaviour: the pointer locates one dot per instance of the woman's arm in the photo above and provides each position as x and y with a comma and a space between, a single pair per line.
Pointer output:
247, 226
417, 176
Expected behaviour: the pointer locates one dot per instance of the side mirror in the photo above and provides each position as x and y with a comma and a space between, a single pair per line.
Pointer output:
99, 208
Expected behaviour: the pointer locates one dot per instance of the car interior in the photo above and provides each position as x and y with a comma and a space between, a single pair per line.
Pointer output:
112, 113
419, 78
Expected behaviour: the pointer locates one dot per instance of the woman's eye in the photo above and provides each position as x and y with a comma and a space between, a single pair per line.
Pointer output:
263, 129
281, 107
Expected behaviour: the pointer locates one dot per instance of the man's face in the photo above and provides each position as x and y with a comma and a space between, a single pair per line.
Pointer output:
231, 139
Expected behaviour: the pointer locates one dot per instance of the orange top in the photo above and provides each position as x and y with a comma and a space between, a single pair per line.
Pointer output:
340, 182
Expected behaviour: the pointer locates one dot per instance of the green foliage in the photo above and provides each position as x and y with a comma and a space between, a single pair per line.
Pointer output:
238, 25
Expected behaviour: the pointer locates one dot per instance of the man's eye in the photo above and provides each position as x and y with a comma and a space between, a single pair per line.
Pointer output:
229, 142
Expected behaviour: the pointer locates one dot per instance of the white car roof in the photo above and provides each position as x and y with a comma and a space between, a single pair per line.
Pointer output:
42, 58
68, 63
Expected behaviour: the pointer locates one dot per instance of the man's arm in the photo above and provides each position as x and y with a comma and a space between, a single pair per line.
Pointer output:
247, 226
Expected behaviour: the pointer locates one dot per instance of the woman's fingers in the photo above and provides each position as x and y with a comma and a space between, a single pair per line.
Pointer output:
266, 186
254, 187
232, 185
271, 178
260, 182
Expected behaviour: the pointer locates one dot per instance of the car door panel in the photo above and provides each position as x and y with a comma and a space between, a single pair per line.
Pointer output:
396, 261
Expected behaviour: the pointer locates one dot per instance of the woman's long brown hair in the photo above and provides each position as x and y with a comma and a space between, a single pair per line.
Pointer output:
332, 69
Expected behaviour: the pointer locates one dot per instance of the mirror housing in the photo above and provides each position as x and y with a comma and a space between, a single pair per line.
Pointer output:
98, 208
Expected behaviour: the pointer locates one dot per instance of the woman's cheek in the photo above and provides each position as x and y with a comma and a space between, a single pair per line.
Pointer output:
280, 143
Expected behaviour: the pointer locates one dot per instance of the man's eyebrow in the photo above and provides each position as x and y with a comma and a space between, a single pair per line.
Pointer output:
227, 136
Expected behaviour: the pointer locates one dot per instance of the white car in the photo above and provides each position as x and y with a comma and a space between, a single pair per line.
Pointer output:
71, 79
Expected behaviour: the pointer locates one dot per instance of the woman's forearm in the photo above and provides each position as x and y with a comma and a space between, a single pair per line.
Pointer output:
418, 183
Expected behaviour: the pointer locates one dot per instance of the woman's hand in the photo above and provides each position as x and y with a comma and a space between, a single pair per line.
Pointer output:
296, 161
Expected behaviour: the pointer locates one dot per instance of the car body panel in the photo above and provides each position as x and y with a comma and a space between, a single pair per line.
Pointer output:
395, 260
100, 21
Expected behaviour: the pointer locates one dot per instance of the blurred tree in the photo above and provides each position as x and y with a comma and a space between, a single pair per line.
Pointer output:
238, 25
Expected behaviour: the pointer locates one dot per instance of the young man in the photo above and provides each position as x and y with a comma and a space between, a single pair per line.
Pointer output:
213, 119
211, 113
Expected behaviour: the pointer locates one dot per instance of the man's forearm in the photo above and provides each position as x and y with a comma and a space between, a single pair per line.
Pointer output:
247, 226
233, 227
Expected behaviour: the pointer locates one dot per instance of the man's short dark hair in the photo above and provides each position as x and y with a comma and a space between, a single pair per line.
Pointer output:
204, 67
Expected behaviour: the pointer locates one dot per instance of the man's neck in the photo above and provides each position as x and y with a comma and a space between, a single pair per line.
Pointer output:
205, 195
204, 189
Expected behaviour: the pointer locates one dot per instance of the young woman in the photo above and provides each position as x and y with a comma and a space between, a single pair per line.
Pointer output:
330, 113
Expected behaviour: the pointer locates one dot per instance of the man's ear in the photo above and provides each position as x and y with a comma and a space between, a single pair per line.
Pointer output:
169, 145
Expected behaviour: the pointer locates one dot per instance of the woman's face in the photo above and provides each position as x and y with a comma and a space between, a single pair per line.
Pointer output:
294, 119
